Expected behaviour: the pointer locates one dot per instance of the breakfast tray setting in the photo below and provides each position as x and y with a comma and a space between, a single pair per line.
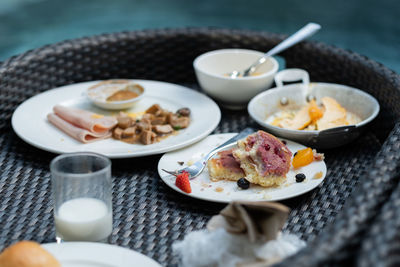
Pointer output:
352, 217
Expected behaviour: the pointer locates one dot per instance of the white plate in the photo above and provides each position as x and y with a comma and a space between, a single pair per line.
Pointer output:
205, 189
30, 123
87, 254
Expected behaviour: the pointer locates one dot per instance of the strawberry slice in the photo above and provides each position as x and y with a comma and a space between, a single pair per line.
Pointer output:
183, 183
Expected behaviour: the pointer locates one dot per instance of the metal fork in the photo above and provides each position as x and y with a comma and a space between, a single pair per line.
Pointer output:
196, 168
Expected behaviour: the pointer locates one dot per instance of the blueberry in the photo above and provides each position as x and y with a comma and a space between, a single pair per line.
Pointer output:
300, 177
243, 183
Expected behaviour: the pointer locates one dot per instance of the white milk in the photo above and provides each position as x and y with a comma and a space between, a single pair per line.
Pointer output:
83, 219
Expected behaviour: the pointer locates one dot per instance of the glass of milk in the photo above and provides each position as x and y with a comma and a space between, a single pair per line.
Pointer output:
81, 188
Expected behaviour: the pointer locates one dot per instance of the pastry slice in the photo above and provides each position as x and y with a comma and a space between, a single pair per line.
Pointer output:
224, 167
264, 159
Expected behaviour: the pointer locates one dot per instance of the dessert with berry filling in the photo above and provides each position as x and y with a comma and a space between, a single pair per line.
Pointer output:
224, 167
264, 159
260, 157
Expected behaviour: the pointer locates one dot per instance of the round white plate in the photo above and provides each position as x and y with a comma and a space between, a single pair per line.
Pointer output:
226, 191
87, 254
30, 123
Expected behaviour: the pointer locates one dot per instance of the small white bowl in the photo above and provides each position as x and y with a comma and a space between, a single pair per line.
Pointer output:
211, 67
98, 94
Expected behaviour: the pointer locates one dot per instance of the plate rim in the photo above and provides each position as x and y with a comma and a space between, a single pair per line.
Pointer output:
54, 246
196, 138
245, 199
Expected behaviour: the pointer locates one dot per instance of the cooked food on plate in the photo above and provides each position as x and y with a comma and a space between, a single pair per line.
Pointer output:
148, 127
262, 158
27, 254
224, 167
153, 126
314, 117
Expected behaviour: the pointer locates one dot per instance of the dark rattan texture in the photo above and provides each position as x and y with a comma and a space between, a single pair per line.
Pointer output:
385, 230
148, 216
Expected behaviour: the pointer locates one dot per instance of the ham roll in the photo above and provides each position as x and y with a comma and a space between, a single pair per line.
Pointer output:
79, 134
90, 121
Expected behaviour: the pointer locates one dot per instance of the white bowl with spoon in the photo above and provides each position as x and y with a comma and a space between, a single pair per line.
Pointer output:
234, 76
211, 67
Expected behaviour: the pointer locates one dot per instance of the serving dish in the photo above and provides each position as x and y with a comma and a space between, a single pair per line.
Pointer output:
354, 100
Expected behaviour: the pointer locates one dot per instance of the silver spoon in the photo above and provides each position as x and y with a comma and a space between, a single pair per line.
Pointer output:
298, 36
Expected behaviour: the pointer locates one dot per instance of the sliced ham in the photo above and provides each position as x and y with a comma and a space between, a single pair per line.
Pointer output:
90, 121
79, 134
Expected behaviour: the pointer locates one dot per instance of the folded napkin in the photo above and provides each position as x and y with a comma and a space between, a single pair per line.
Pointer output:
244, 234
261, 221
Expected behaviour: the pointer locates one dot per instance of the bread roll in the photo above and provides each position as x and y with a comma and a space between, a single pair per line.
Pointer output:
27, 254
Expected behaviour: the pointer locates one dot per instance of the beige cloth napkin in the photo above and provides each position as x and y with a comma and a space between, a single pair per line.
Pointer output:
261, 221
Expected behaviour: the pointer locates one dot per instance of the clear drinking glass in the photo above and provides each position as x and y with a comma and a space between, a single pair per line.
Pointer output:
81, 188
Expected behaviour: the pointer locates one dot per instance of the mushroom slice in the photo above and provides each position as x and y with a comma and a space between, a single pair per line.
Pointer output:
159, 120
163, 129
124, 121
144, 126
129, 132
154, 109
178, 122
147, 137
117, 133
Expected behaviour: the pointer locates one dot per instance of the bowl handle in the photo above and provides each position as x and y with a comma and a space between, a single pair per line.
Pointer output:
291, 75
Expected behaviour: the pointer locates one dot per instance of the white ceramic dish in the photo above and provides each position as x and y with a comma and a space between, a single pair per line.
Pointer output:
98, 97
354, 100
232, 93
87, 254
203, 188
30, 123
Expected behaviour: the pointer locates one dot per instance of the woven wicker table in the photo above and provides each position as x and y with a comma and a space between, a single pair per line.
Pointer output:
351, 218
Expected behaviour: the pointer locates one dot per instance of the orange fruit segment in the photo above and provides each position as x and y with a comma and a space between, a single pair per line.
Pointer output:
314, 111
303, 157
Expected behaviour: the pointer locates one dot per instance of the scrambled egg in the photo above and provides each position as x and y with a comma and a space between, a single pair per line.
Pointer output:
97, 116
136, 115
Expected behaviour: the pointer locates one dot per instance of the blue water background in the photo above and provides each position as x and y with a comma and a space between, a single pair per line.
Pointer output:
368, 27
